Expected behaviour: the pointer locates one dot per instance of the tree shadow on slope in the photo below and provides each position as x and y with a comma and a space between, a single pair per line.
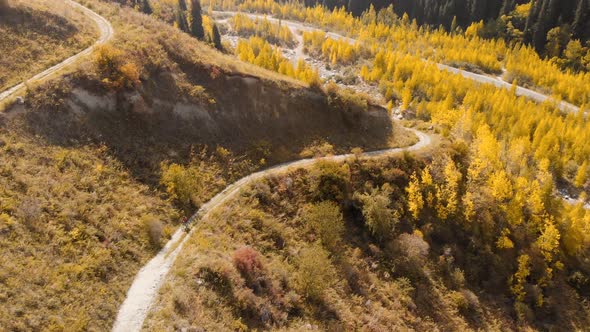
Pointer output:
30, 38
29, 20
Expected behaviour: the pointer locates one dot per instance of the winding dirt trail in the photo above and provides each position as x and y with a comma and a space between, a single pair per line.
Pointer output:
148, 281
106, 33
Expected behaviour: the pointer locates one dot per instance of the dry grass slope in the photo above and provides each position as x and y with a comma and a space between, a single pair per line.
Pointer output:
74, 228
37, 35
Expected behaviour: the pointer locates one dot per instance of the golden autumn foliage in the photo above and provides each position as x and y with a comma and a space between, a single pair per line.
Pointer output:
415, 199
384, 30
494, 194
519, 279
331, 50
263, 28
259, 52
115, 72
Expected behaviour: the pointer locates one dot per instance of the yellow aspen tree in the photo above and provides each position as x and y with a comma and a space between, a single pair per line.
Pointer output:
406, 98
504, 242
535, 199
334, 58
548, 242
581, 175
447, 194
500, 186
468, 206
518, 280
427, 184
514, 86
576, 238
415, 199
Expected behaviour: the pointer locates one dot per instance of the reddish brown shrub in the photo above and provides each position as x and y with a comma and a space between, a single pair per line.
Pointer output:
247, 261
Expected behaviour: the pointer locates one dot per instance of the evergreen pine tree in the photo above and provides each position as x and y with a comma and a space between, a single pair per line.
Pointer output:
181, 22
507, 7
357, 7
331, 4
196, 22
581, 20
182, 5
531, 21
217, 38
540, 33
478, 10
146, 8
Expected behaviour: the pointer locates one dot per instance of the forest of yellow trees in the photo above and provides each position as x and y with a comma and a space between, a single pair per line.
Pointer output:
259, 52
515, 151
263, 28
464, 49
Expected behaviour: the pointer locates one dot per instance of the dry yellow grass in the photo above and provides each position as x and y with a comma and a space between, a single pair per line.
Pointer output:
37, 35
74, 228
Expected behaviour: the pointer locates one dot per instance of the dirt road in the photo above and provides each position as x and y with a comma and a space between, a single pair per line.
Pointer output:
144, 289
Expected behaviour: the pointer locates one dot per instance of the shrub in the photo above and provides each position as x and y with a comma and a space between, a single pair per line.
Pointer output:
331, 181
247, 261
191, 185
315, 273
457, 278
154, 229
457, 300
114, 71
317, 149
197, 93
339, 98
29, 213
472, 300
182, 301
325, 220
523, 312
6, 222
107, 59
51, 95
218, 276
405, 288
129, 74
413, 248
246, 302
379, 217
357, 152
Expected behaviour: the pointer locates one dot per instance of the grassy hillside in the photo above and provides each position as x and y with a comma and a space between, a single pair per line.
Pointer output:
74, 229
336, 248
37, 35
99, 166
176, 93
